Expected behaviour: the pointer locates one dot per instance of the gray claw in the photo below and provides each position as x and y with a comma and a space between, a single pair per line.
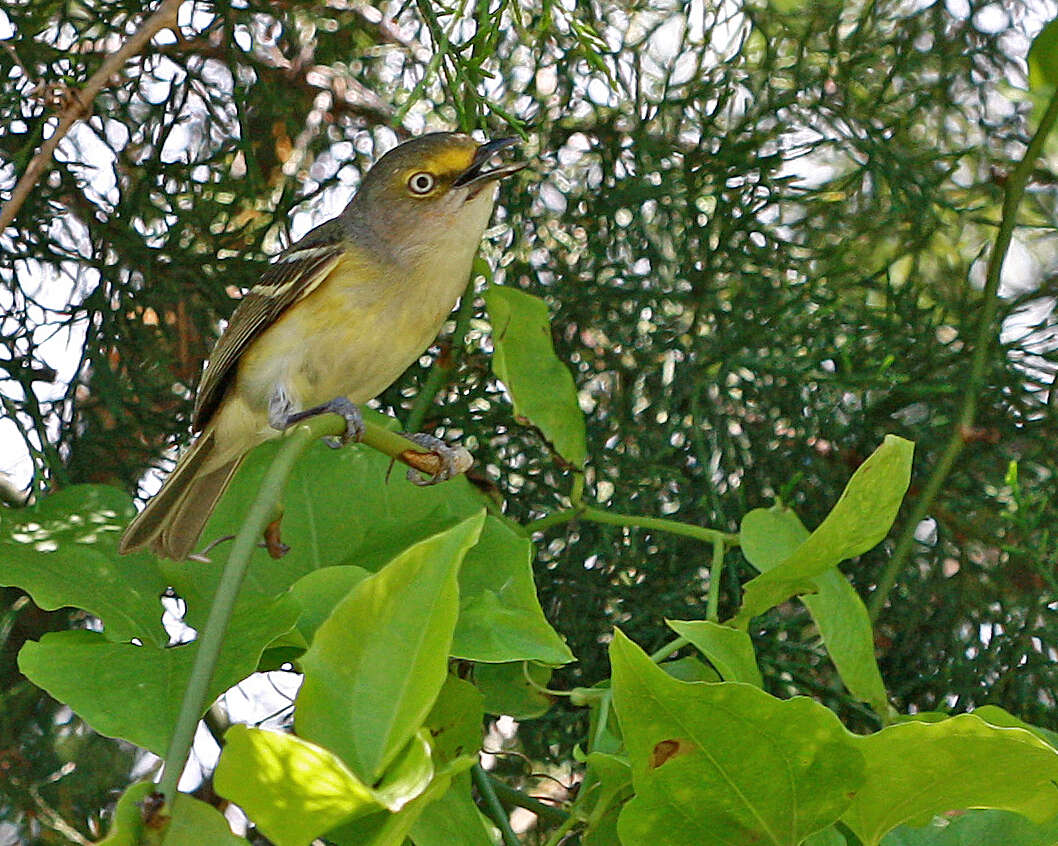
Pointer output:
454, 460
354, 421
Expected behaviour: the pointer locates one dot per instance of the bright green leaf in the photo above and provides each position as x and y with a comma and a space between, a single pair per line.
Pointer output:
861, 518
377, 663
134, 692
388, 829
769, 536
63, 552
292, 789
500, 618
916, 770
539, 383
729, 650
195, 823
317, 593
726, 763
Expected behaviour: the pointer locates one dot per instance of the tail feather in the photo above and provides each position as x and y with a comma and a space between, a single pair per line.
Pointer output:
173, 519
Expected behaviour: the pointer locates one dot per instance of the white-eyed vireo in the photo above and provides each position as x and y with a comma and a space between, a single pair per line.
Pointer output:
335, 319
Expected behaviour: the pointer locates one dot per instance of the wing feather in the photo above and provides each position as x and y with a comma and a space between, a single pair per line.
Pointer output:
295, 273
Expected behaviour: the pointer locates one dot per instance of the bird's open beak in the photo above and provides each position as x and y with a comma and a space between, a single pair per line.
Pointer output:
477, 177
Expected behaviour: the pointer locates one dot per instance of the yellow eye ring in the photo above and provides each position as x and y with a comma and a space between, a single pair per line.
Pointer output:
421, 183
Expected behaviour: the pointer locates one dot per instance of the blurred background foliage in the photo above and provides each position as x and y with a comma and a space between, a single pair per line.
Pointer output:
762, 231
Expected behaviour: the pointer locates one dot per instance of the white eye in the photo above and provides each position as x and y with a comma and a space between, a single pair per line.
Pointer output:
421, 183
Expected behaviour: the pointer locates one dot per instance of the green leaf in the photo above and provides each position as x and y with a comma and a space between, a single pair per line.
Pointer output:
507, 691
134, 692
916, 770
829, 836
729, 650
345, 506
126, 829
453, 820
539, 383
192, 822
726, 763
996, 716
770, 536
500, 618
690, 669
1043, 58
317, 593
292, 789
63, 553
195, 822
377, 663
455, 720
387, 829
977, 828
861, 519
607, 783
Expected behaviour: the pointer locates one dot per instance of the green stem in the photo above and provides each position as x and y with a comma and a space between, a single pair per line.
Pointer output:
1015, 190
614, 518
509, 796
442, 368
668, 649
713, 603
660, 524
211, 639
559, 833
493, 807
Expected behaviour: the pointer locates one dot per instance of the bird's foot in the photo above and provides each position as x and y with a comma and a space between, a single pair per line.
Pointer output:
441, 463
354, 421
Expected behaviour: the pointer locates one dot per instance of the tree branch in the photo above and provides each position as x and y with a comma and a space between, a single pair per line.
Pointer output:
962, 430
79, 102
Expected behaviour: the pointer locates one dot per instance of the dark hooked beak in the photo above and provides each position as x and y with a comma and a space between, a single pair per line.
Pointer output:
476, 177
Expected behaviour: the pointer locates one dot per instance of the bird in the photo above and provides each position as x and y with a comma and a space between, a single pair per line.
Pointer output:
334, 320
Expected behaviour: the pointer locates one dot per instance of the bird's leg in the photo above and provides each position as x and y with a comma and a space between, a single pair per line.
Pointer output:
450, 461
281, 415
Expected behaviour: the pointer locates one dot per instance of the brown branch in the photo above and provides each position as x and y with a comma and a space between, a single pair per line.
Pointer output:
79, 102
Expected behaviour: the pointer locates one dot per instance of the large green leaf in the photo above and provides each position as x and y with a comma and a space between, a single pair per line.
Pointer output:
729, 650
500, 618
540, 385
726, 763
134, 692
769, 536
377, 663
344, 508
916, 770
292, 789
860, 520
63, 552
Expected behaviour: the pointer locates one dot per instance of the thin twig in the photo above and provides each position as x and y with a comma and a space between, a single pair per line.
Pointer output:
986, 331
79, 102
